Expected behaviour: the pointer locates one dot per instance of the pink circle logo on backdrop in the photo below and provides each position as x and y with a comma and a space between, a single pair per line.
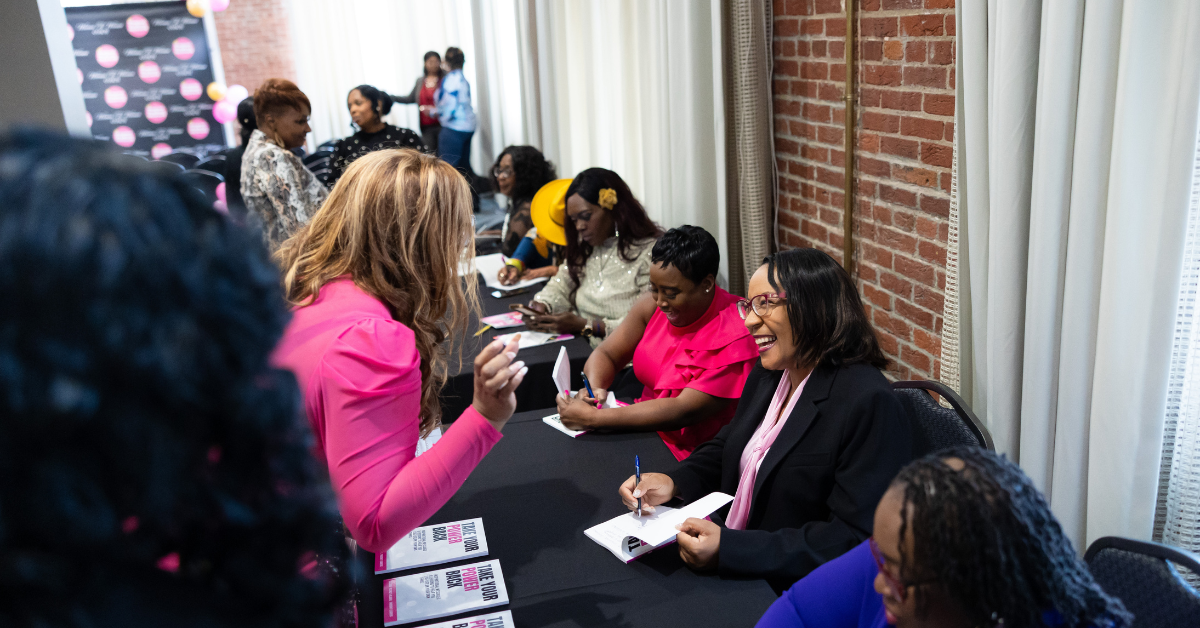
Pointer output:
197, 128
70, 33
80, 73
116, 97
137, 25
124, 136
158, 151
149, 71
107, 56
89, 117
156, 112
183, 48
190, 89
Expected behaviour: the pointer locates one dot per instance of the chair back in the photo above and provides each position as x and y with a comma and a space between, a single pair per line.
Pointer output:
205, 181
166, 167
1146, 577
319, 155
328, 146
936, 427
187, 160
212, 164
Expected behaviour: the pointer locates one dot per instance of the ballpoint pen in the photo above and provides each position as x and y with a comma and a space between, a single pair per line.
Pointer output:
588, 385
637, 473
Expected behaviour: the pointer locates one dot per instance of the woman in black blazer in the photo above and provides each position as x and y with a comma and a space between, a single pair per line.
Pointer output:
822, 471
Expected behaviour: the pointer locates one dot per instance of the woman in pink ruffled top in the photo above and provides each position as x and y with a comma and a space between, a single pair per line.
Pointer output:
688, 347
374, 278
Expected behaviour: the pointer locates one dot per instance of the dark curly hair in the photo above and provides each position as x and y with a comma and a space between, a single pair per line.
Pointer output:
530, 172
691, 249
156, 470
988, 536
628, 216
824, 308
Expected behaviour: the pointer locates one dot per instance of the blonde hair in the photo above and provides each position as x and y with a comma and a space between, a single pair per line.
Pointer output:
399, 223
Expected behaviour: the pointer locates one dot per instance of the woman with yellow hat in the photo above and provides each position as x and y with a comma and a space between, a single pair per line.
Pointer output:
608, 238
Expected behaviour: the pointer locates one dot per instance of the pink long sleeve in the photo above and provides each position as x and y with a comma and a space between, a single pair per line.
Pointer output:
367, 389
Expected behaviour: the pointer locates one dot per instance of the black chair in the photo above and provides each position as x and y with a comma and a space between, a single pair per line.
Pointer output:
187, 160
212, 164
1145, 577
328, 146
205, 181
167, 167
319, 155
936, 427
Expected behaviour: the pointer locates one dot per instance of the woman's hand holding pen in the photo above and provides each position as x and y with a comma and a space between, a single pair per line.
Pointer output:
578, 412
654, 489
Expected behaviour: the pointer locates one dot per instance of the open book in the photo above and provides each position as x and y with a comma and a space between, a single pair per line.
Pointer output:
630, 536
562, 383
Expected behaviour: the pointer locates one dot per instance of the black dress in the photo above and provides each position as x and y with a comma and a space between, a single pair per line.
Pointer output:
361, 143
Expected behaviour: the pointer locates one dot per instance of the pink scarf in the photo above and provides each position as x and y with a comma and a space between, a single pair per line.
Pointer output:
760, 443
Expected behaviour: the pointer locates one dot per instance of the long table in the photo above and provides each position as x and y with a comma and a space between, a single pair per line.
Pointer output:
537, 391
538, 490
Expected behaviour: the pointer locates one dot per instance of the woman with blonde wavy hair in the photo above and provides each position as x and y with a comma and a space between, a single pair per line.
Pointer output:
374, 282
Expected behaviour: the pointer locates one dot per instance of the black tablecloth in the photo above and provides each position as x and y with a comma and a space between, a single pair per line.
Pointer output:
537, 391
538, 490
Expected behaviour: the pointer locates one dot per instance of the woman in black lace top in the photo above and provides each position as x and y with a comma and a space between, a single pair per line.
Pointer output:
367, 107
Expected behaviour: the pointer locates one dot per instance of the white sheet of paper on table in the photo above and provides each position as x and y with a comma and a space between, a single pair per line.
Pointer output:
534, 338
489, 266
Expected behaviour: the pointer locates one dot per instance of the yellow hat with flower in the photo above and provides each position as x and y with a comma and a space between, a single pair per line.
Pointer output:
549, 211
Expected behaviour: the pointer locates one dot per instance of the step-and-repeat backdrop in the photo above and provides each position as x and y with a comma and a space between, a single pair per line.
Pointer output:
147, 78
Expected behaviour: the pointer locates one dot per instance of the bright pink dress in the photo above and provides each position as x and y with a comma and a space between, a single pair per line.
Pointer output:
359, 374
713, 355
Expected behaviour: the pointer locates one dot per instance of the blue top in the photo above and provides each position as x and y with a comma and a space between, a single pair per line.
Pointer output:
453, 98
839, 594
529, 255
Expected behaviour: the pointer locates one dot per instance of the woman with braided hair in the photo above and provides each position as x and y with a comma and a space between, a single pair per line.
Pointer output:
962, 539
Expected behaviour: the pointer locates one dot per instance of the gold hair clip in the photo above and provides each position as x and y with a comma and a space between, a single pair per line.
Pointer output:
608, 198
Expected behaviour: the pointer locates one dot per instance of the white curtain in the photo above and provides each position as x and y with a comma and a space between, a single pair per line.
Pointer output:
1075, 138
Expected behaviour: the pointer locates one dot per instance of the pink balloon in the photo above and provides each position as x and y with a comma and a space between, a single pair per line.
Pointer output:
221, 191
218, 5
225, 111
236, 94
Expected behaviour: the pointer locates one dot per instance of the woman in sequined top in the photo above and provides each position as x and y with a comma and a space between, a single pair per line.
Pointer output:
367, 107
608, 239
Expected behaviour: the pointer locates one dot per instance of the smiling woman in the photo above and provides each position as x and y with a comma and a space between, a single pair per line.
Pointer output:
367, 107
688, 347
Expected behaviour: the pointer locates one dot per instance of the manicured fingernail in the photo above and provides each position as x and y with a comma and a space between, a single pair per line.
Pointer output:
496, 344
637, 493
511, 354
524, 371
516, 366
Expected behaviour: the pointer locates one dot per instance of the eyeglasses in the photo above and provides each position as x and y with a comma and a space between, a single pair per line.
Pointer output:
502, 172
897, 587
761, 304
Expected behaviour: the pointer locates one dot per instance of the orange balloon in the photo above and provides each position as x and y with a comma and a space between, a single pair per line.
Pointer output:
197, 7
216, 91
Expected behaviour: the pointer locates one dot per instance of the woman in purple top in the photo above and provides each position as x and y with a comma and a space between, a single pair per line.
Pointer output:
962, 539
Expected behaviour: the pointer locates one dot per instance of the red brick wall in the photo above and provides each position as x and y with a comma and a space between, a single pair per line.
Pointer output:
256, 42
903, 135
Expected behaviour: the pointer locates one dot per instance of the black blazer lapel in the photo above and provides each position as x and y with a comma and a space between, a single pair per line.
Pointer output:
754, 409
816, 390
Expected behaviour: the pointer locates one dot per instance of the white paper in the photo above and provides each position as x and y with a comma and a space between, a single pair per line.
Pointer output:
503, 619
555, 422
443, 592
629, 536
433, 545
424, 444
534, 338
489, 266
562, 373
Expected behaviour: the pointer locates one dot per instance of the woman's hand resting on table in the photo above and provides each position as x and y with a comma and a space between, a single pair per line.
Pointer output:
496, 378
580, 412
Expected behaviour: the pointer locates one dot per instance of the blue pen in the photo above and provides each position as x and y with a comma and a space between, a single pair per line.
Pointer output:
588, 385
637, 473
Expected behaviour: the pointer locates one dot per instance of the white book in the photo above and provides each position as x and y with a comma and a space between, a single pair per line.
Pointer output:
561, 374
448, 591
433, 545
629, 536
503, 619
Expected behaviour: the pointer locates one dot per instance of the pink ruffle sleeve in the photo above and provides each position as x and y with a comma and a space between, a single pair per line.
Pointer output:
368, 390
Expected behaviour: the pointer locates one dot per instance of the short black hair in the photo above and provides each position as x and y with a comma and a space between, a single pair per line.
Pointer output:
987, 536
455, 57
826, 313
531, 171
381, 102
155, 466
245, 116
690, 249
